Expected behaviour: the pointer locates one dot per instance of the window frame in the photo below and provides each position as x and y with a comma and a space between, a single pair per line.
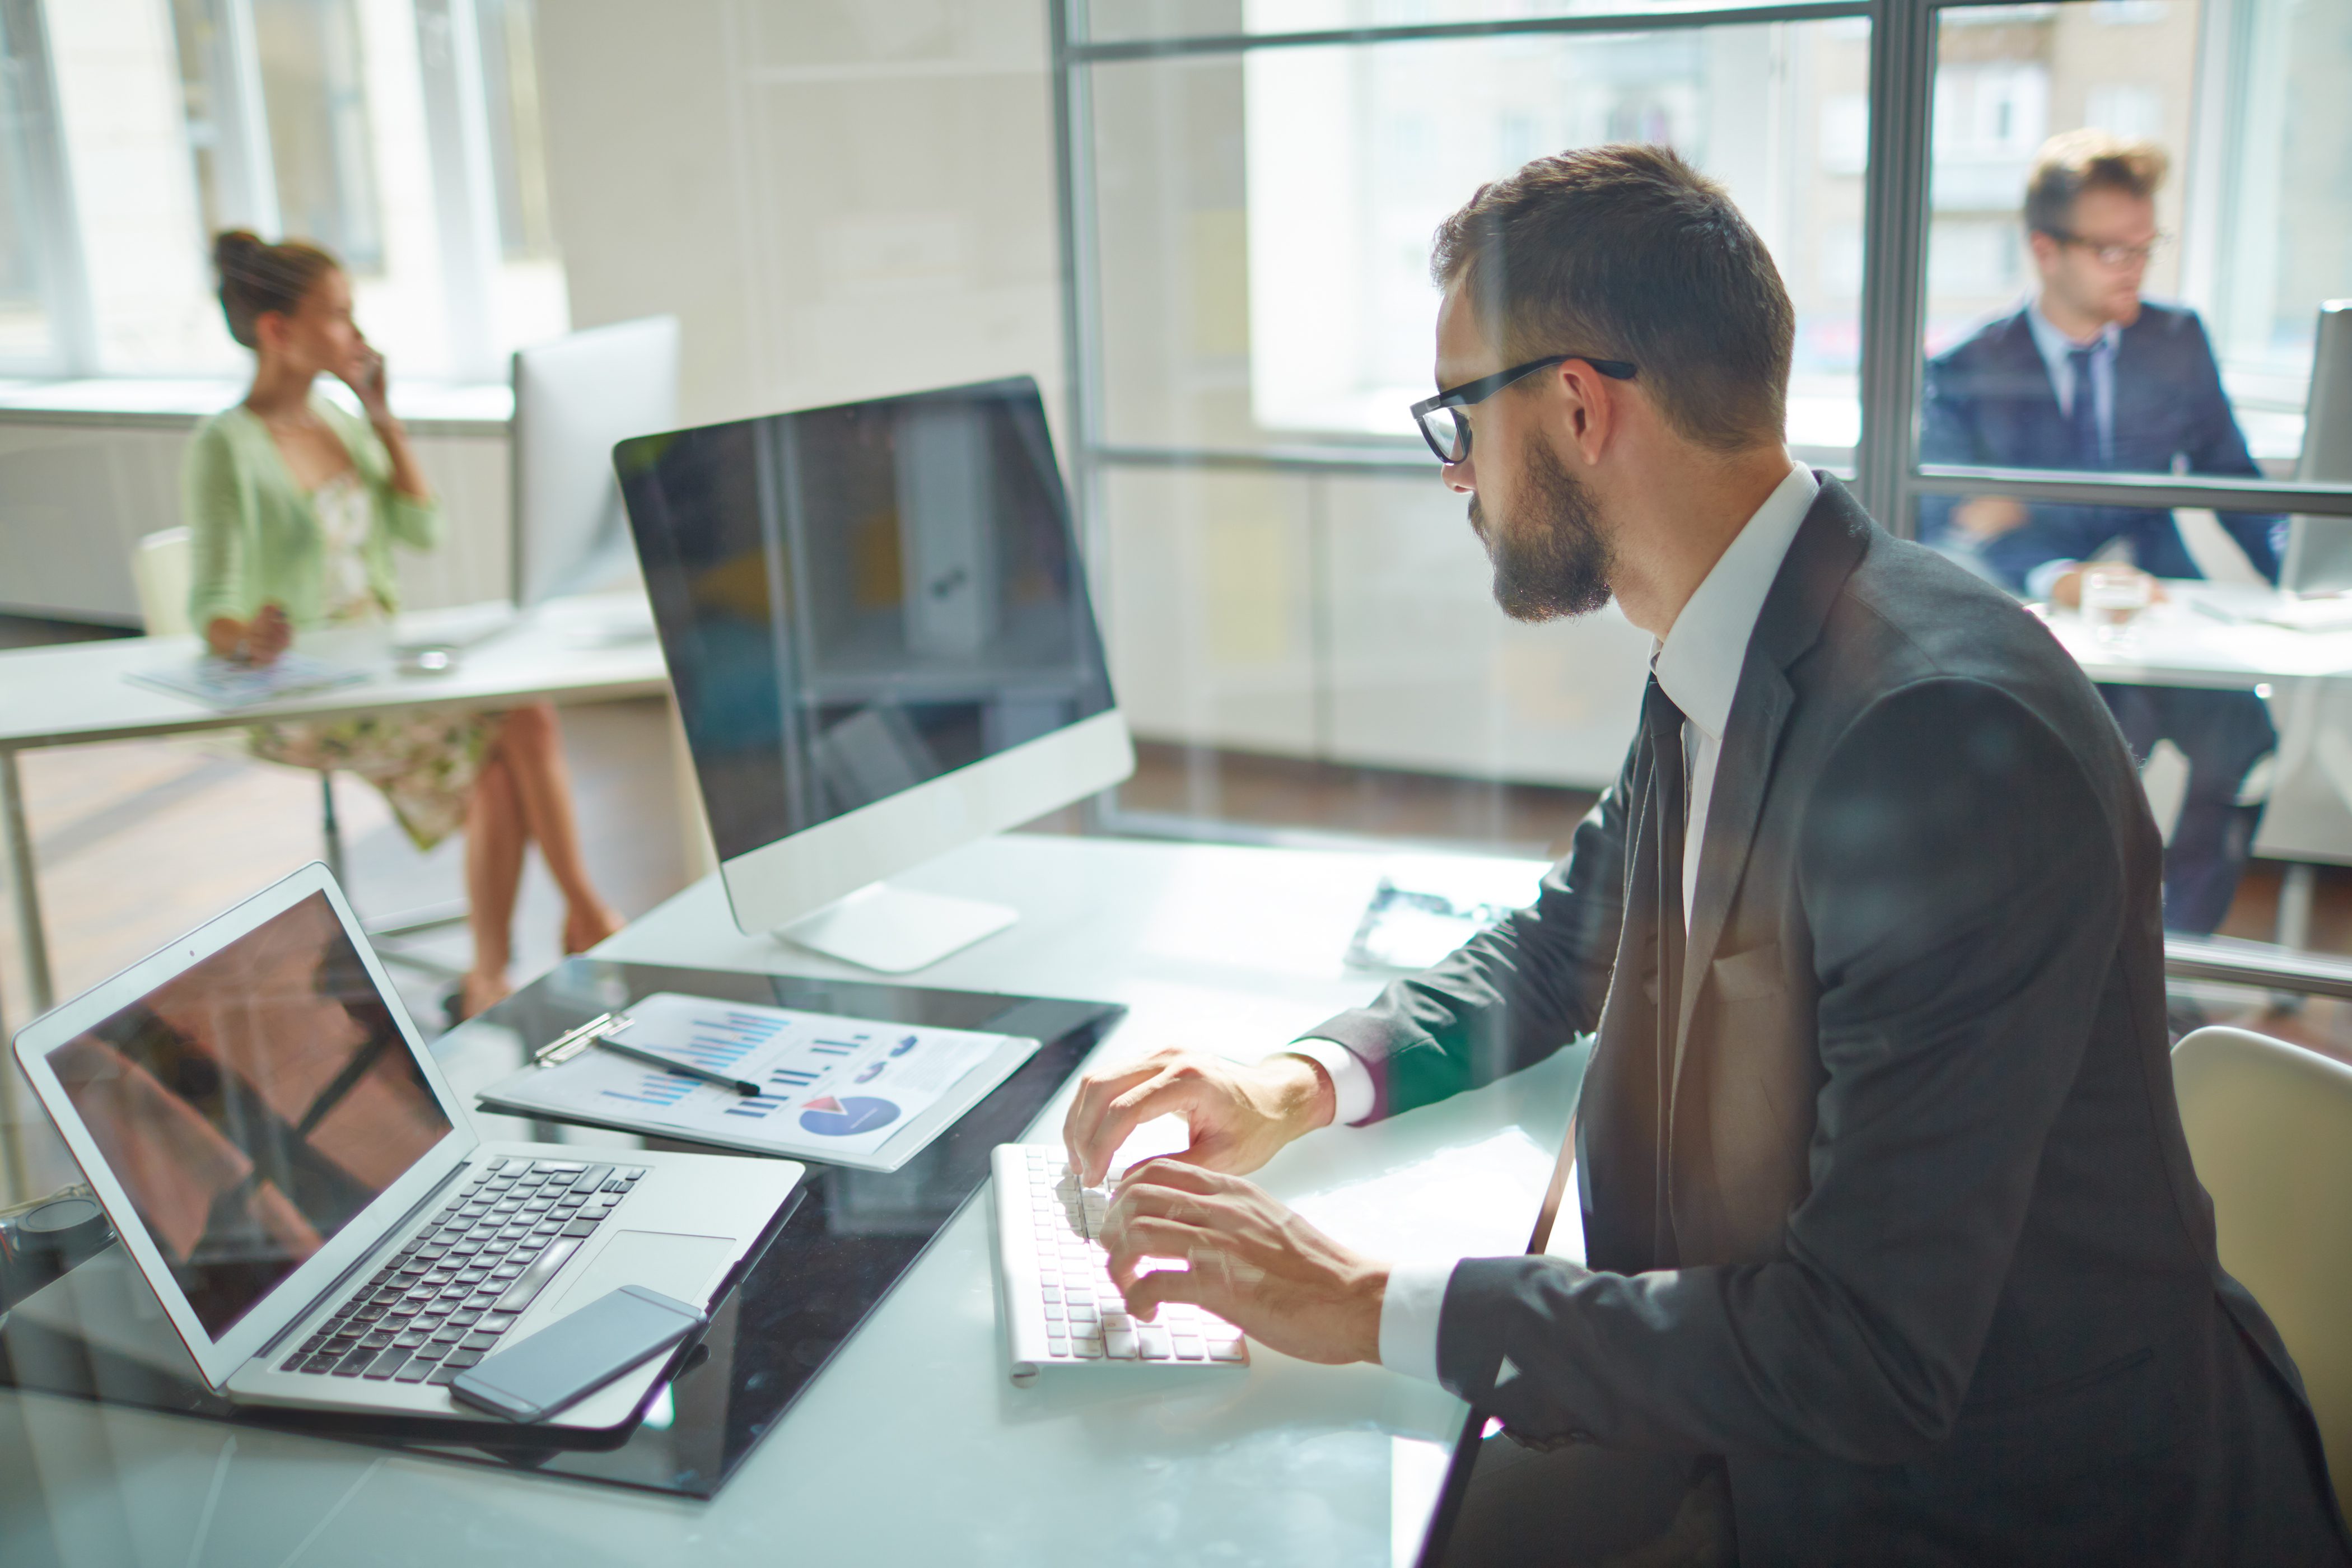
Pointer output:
1889, 480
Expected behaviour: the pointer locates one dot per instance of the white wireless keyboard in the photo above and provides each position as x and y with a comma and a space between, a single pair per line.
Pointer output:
1054, 1288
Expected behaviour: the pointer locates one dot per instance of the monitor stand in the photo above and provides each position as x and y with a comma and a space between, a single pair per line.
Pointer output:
894, 929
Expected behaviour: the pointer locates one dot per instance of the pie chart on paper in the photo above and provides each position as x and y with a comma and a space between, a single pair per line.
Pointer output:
847, 1115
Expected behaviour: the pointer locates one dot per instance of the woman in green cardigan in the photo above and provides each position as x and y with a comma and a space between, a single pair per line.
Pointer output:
294, 507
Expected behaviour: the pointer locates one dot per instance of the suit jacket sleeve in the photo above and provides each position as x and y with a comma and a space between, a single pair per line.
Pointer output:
1951, 430
1509, 996
1962, 882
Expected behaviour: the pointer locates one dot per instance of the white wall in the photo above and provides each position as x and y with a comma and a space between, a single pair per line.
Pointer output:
77, 493
838, 199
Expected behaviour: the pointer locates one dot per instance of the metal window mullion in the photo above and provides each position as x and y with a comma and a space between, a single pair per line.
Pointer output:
2219, 494
1073, 201
456, 117
1895, 231
245, 169
1620, 22
65, 283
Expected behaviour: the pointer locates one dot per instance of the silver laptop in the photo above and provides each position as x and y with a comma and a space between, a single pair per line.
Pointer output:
301, 1189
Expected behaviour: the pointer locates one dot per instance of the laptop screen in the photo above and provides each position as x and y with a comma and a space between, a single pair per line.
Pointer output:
253, 1105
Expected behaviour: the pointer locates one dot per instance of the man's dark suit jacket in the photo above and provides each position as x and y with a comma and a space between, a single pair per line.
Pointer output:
1906, 1229
1989, 403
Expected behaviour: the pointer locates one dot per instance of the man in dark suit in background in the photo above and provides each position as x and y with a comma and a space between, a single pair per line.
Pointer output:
1892, 1251
2089, 376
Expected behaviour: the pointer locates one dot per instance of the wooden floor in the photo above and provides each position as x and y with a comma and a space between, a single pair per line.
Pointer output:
139, 841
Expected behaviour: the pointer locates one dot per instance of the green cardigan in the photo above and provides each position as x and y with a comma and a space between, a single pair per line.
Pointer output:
255, 532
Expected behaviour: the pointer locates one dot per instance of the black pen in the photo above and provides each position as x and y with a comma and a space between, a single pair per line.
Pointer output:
741, 1085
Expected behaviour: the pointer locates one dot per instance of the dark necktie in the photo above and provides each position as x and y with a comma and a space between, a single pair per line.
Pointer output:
2083, 417
1670, 807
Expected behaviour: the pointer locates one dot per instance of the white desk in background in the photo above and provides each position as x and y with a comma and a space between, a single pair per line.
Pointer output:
75, 694
913, 1446
2201, 635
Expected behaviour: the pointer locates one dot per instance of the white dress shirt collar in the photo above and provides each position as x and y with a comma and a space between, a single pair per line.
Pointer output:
1698, 664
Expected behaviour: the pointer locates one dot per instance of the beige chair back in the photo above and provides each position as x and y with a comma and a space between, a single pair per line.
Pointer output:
2270, 1128
162, 567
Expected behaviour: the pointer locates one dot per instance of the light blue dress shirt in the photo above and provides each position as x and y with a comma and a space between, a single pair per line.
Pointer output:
2056, 347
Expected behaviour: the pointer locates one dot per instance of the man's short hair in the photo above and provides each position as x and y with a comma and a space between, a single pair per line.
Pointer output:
2073, 162
1627, 252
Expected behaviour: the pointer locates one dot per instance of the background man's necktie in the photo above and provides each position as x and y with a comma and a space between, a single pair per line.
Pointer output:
2083, 417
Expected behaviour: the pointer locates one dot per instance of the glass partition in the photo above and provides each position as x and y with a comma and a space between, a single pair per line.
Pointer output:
1261, 218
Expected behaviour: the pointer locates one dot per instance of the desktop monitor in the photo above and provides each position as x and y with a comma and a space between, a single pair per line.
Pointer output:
574, 398
2319, 549
876, 625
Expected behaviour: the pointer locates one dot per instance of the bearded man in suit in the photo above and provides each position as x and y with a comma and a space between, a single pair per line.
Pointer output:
1893, 1247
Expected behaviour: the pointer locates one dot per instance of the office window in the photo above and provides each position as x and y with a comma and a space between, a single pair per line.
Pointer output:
2244, 96
314, 100
1263, 218
401, 134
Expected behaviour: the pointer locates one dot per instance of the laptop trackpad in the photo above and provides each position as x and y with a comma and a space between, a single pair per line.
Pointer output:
676, 1265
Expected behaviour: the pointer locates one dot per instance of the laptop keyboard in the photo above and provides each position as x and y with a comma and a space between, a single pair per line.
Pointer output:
471, 1270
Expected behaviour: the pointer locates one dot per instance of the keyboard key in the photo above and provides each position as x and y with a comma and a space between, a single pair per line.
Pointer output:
478, 1342
415, 1372
1226, 1349
444, 1374
495, 1322
377, 1341
1053, 1313
321, 1362
430, 1352
580, 1227
390, 1362
1119, 1345
1152, 1342
353, 1364
1087, 1350
461, 1359
410, 1339
528, 1285
1188, 1347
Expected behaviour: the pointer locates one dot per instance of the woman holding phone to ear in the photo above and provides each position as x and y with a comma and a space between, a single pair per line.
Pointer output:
294, 507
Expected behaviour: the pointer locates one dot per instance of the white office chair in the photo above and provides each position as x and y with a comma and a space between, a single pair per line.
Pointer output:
2270, 1129
162, 570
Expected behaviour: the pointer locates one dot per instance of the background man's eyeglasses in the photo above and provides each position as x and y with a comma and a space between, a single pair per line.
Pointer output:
2112, 255
1448, 433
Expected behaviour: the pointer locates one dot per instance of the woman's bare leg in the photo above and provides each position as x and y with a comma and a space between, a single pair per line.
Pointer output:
494, 846
532, 749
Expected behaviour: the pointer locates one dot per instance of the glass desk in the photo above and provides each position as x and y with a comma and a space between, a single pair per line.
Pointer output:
843, 1239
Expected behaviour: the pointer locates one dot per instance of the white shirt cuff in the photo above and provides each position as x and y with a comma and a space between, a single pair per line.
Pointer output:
1351, 1080
1416, 1294
2042, 579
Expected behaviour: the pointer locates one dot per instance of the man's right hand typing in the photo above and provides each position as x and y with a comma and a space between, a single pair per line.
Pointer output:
1240, 1114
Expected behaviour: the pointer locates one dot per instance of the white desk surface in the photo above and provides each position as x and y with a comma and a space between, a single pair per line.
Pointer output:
2178, 643
76, 692
914, 1446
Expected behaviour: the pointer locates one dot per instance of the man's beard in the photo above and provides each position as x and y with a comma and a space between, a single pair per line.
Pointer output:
1551, 561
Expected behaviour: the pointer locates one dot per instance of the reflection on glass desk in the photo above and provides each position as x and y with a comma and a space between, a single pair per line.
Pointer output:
842, 1242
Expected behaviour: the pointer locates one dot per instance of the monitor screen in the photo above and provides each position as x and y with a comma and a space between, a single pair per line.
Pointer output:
253, 1105
855, 600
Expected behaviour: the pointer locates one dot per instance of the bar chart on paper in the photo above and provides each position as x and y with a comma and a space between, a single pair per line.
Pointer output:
830, 1087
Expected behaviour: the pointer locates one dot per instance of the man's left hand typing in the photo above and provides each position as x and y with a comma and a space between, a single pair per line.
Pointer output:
1247, 1258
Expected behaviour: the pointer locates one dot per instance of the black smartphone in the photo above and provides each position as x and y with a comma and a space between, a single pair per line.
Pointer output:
576, 1354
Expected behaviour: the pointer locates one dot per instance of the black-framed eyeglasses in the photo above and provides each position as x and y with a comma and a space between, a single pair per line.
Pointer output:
1448, 434
2112, 255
